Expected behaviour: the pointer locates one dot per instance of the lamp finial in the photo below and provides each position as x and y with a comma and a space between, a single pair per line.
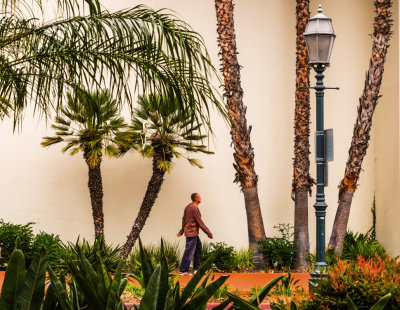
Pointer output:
320, 10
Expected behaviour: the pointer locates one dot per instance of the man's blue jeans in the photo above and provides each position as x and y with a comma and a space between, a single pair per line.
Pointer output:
192, 252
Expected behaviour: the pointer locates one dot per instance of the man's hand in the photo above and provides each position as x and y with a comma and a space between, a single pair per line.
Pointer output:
178, 234
210, 236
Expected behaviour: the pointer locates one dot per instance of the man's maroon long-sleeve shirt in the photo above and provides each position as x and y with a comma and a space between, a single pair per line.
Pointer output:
191, 221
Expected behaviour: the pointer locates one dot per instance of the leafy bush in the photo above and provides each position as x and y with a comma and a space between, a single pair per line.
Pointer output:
364, 281
225, 259
109, 255
8, 234
52, 244
279, 251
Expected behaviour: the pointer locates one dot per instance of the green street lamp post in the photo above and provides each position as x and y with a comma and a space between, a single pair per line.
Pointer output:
319, 38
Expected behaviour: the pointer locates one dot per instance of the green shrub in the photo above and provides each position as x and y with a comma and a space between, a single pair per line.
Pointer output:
8, 234
364, 281
225, 259
279, 251
52, 244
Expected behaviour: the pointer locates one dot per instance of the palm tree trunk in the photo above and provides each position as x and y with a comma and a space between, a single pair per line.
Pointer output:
362, 128
240, 132
95, 184
153, 189
302, 181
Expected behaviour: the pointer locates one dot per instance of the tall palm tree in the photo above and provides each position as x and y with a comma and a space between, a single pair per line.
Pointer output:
135, 49
362, 127
88, 124
166, 132
302, 181
240, 132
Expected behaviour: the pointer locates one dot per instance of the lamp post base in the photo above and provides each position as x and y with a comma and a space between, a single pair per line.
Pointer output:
318, 273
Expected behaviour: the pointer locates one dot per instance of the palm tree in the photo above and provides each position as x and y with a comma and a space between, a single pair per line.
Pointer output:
135, 49
88, 124
162, 131
302, 181
240, 132
362, 127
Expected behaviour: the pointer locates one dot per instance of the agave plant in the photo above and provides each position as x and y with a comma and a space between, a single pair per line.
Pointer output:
254, 302
163, 131
379, 305
161, 296
23, 289
87, 289
88, 124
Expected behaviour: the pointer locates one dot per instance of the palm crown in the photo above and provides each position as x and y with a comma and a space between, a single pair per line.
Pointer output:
166, 130
89, 124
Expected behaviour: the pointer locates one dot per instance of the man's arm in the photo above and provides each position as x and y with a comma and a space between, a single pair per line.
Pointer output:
199, 221
180, 233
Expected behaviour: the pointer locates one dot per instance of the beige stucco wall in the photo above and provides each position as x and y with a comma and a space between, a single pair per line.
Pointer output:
50, 188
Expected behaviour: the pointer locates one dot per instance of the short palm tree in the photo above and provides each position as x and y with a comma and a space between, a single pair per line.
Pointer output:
88, 124
165, 132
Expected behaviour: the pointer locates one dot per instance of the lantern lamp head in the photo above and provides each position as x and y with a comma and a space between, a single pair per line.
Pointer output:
319, 36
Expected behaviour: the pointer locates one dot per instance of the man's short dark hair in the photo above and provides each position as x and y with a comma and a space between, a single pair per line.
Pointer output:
193, 196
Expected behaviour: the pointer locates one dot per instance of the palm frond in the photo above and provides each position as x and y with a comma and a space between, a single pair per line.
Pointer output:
127, 50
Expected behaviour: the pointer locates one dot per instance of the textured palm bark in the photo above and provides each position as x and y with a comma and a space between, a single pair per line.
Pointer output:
362, 127
240, 132
302, 181
95, 184
153, 189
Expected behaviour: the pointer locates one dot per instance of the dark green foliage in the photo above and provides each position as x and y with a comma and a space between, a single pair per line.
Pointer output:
279, 251
109, 255
51, 243
380, 304
8, 234
225, 260
356, 244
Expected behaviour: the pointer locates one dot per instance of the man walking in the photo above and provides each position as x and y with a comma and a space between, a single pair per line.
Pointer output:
191, 221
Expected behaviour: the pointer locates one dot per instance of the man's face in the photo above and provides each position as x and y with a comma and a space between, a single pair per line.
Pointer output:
198, 198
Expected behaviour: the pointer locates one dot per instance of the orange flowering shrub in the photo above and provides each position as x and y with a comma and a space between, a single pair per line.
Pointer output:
365, 281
